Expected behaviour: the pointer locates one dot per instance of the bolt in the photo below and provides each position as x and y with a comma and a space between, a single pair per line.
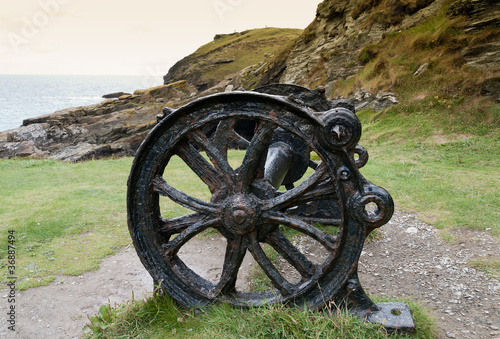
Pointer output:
239, 217
344, 173
339, 132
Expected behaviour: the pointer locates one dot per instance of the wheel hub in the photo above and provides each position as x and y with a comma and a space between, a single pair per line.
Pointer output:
241, 213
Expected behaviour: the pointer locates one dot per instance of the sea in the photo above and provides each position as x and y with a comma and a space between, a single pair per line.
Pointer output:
27, 96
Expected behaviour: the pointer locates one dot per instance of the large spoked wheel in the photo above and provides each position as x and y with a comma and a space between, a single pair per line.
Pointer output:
241, 206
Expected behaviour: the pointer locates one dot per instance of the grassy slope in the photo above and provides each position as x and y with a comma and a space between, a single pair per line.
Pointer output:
440, 144
247, 48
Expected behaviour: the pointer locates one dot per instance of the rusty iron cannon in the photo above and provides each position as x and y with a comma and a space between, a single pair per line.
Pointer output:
297, 182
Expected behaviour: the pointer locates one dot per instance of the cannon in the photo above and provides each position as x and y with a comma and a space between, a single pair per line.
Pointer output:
297, 180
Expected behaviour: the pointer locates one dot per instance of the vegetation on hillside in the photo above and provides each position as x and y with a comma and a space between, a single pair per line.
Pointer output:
388, 12
228, 54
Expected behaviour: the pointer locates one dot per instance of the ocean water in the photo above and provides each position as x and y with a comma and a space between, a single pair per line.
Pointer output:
27, 96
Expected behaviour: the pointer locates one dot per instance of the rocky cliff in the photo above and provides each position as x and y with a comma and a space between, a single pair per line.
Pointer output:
112, 127
377, 53
349, 37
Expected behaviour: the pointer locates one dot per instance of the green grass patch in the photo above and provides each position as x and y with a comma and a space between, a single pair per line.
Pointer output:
489, 265
159, 317
449, 180
66, 217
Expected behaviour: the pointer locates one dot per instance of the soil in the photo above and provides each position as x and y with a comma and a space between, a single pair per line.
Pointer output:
408, 260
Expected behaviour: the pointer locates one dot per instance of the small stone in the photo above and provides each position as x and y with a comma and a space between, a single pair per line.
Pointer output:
450, 335
411, 230
421, 69
494, 328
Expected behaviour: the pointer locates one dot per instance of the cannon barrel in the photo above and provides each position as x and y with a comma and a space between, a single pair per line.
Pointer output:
278, 162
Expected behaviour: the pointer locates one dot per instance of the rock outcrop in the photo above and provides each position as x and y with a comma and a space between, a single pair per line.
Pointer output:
112, 127
382, 100
115, 95
331, 47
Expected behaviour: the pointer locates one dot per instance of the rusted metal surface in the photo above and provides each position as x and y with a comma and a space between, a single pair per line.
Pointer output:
279, 127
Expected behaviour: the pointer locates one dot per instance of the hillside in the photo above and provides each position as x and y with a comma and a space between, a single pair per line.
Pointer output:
373, 40
238, 57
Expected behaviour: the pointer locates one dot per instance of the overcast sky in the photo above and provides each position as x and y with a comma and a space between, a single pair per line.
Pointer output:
127, 37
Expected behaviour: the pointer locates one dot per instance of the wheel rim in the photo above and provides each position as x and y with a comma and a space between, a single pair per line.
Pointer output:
242, 208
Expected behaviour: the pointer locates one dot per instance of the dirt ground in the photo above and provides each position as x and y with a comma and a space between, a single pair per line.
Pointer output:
409, 260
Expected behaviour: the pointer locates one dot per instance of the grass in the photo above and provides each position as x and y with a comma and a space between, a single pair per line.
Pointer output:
66, 217
159, 317
491, 266
230, 54
440, 160
449, 185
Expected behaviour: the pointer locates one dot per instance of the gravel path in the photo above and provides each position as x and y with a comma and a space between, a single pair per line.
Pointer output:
410, 260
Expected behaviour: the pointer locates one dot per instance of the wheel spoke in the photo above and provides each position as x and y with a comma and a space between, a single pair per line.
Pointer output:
255, 157
219, 160
163, 188
291, 197
219, 139
172, 247
313, 164
235, 252
273, 274
291, 254
322, 191
177, 225
225, 132
322, 221
203, 169
323, 238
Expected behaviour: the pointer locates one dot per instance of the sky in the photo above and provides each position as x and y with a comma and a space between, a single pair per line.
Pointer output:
112, 37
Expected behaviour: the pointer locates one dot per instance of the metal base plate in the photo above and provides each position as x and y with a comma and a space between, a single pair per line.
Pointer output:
394, 316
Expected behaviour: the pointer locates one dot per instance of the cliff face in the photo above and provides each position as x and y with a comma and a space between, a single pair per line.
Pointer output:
335, 46
328, 49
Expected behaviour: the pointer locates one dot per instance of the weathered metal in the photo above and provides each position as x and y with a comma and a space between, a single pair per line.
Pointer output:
279, 126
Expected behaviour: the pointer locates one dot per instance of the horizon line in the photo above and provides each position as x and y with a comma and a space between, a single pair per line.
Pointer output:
74, 74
